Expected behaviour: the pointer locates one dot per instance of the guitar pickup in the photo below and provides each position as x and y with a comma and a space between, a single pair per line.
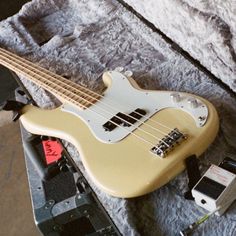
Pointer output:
121, 119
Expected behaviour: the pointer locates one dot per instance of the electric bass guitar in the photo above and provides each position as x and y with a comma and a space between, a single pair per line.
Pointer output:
131, 141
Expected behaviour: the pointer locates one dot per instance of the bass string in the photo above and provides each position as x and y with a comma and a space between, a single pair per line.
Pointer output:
104, 109
112, 105
137, 136
144, 131
115, 103
60, 78
45, 75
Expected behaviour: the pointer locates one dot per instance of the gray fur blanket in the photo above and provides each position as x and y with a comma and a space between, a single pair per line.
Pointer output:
204, 28
81, 39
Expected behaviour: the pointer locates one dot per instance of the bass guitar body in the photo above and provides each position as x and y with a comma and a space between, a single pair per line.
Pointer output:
131, 141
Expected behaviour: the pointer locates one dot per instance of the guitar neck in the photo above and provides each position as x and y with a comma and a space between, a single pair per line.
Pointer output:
65, 90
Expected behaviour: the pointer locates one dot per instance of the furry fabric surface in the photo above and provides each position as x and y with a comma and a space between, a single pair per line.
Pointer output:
206, 29
80, 39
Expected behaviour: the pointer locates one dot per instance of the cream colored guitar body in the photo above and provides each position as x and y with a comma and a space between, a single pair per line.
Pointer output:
123, 165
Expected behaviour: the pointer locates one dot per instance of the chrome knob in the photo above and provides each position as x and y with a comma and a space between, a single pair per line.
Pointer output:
119, 69
175, 97
192, 103
128, 73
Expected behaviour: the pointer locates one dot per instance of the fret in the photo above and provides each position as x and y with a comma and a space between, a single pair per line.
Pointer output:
55, 84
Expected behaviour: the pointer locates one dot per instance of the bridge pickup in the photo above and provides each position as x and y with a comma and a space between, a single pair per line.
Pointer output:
124, 119
168, 143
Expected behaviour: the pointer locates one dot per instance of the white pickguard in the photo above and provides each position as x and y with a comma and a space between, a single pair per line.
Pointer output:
122, 97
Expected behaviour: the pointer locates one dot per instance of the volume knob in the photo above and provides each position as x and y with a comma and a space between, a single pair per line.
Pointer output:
119, 69
128, 73
175, 97
192, 103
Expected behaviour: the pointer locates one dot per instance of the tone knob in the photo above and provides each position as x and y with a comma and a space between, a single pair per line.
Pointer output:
128, 73
119, 69
192, 103
175, 97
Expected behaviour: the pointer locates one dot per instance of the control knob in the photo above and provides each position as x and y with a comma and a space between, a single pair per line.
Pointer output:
192, 103
175, 97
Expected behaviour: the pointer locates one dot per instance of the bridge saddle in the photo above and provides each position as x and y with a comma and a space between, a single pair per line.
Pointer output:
168, 143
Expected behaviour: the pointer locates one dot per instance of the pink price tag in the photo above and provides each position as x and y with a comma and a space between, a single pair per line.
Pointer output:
52, 150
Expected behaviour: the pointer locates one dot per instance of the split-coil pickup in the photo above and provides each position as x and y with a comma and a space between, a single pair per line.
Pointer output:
126, 120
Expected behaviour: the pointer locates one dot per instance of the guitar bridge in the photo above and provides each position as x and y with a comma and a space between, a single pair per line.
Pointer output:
168, 143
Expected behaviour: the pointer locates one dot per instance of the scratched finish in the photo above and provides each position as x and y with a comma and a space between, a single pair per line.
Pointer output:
15, 207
